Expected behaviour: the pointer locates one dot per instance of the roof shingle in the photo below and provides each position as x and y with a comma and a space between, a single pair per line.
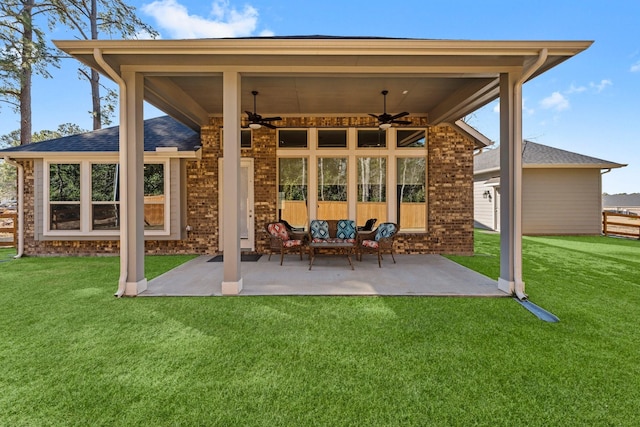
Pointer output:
158, 132
539, 154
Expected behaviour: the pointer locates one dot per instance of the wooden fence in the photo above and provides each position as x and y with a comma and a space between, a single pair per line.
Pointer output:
615, 224
8, 229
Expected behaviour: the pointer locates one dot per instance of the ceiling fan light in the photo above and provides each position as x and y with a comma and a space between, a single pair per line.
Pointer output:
254, 125
385, 126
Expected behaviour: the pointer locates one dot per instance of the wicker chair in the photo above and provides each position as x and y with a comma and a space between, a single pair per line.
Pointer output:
282, 240
378, 241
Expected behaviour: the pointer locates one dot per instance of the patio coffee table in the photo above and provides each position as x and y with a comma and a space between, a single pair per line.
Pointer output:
343, 248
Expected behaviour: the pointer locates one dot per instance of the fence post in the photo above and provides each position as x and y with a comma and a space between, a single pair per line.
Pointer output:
604, 223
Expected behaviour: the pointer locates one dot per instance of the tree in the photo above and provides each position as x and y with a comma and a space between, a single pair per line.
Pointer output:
8, 177
91, 18
23, 51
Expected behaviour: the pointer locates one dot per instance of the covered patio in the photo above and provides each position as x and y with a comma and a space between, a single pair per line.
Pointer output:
413, 275
197, 81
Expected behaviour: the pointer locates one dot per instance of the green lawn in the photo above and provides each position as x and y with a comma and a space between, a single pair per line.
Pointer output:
72, 354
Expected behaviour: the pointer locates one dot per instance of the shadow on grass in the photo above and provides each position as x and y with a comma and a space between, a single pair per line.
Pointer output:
7, 254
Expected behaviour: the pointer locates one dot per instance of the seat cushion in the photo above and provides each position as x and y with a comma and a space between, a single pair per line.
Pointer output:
319, 229
291, 243
370, 244
346, 229
278, 230
386, 229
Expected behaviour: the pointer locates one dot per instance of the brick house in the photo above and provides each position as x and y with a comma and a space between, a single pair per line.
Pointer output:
207, 179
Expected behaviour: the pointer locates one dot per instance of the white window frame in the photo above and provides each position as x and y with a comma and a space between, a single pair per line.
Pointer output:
86, 203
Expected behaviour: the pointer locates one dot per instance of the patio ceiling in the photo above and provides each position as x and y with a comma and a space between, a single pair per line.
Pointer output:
444, 80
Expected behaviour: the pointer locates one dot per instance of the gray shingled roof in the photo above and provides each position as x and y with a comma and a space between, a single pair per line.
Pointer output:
539, 154
158, 132
623, 200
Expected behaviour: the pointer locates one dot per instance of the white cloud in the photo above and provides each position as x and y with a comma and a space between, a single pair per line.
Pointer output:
555, 101
525, 109
575, 89
599, 87
225, 21
635, 67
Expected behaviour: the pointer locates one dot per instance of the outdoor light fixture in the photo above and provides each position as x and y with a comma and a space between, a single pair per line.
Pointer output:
486, 195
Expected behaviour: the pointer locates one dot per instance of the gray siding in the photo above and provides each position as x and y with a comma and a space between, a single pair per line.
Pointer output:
483, 208
561, 201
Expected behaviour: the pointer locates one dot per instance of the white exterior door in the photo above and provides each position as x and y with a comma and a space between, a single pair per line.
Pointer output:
247, 223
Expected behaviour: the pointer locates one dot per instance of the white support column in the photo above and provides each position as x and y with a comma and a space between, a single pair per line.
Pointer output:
510, 184
132, 207
232, 280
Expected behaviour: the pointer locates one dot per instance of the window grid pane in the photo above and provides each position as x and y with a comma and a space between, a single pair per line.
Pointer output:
372, 189
292, 190
332, 188
64, 182
410, 138
368, 138
411, 193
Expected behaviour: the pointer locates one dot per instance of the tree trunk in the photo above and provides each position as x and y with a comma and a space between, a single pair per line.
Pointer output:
95, 100
95, 77
26, 73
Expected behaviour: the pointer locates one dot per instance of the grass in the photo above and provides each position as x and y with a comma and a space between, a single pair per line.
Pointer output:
74, 355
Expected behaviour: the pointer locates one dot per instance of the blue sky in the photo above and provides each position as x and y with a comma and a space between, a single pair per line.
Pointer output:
588, 105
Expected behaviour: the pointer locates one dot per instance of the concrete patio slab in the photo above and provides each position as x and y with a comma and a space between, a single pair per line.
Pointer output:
413, 275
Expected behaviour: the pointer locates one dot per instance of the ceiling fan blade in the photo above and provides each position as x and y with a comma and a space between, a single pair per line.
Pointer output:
401, 122
271, 119
267, 124
397, 116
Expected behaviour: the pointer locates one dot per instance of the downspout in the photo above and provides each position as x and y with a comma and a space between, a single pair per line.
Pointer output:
20, 168
517, 93
124, 222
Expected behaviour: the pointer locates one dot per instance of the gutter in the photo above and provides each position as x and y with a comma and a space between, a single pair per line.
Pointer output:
20, 168
124, 224
517, 94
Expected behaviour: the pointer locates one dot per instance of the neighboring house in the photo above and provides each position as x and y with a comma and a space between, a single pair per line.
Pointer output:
621, 203
336, 150
561, 190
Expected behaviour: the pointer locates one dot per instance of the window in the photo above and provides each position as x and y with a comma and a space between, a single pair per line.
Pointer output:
411, 138
292, 138
354, 173
154, 199
368, 138
411, 193
84, 198
105, 193
64, 196
328, 138
372, 189
245, 138
332, 188
292, 190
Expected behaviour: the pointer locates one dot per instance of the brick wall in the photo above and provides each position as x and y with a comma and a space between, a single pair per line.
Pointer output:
450, 195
